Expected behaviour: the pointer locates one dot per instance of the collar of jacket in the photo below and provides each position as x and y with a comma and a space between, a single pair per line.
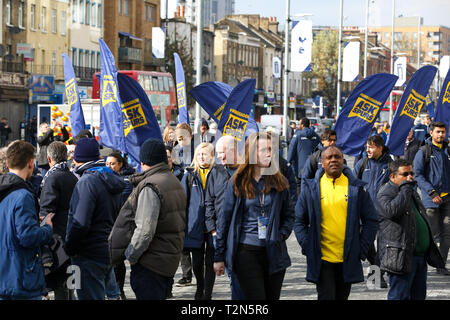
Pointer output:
430, 142
352, 179
135, 179
88, 165
11, 182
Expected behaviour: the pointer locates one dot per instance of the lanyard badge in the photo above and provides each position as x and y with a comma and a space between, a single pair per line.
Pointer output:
263, 220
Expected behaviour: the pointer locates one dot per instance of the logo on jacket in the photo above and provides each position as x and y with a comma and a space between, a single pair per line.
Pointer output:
365, 108
413, 105
132, 116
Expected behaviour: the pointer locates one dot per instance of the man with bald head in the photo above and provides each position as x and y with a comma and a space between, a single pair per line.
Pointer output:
335, 223
227, 154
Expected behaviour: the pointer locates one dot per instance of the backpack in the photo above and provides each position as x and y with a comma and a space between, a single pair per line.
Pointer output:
314, 160
426, 149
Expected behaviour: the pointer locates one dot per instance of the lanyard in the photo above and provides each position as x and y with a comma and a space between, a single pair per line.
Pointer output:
262, 203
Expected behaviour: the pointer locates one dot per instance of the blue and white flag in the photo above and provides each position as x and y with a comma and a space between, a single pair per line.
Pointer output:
181, 90
360, 111
73, 98
111, 125
139, 120
412, 101
443, 104
301, 43
350, 61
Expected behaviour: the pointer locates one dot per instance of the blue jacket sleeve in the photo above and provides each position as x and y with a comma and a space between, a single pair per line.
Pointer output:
292, 185
82, 207
28, 231
49, 197
301, 223
287, 216
356, 167
419, 169
223, 223
210, 199
369, 222
292, 151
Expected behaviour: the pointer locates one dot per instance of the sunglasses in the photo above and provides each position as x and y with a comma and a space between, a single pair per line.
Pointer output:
405, 174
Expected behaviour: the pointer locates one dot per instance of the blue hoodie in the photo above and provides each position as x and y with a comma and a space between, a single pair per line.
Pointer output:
95, 203
302, 145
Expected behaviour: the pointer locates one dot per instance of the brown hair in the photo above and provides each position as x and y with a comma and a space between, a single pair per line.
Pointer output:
184, 126
167, 132
244, 173
19, 153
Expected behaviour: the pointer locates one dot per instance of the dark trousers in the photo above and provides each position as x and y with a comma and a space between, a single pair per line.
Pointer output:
186, 264
252, 270
412, 285
120, 271
148, 285
203, 267
440, 225
93, 276
331, 285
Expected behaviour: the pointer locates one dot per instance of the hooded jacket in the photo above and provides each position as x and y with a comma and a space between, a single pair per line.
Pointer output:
21, 271
361, 227
302, 145
94, 205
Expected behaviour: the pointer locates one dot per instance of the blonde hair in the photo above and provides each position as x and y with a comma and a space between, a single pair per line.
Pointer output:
210, 149
166, 133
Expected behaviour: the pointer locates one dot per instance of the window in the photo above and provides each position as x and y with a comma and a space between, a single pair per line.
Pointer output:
86, 59
32, 16
125, 7
414, 36
397, 36
120, 7
81, 11
99, 16
43, 14
166, 83
54, 20
155, 83
92, 59
149, 13
94, 14
160, 83
63, 23
387, 36
87, 13
74, 10
80, 58
74, 55
54, 62
8, 12
20, 17
98, 60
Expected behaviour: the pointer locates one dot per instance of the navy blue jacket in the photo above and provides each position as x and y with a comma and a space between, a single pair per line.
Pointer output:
94, 206
195, 210
125, 173
361, 228
435, 175
21, 271
375, 174
302, 145
278, 230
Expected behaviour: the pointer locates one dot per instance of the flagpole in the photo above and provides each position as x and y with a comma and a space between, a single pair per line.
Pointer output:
286, 69
199, 60
366, 39
338, 98
391, 109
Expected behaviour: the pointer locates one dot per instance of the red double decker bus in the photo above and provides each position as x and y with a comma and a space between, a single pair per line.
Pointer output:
160, 89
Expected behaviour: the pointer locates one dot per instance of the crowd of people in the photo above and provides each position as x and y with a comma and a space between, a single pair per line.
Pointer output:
70, 218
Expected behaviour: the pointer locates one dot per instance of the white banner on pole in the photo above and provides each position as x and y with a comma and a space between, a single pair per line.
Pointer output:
301, 45
158, 42
400, 71
444, 66
350, 61
276, 67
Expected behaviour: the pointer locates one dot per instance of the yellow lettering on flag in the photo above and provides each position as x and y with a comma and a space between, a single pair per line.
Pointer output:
413, 105
180, 95
218, 113
446, 97
109, 90
236, 124
365, 108
132, 116
71, 93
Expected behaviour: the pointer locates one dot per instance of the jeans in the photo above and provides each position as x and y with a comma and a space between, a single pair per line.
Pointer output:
412, 285
15, 298
331, 285
2, 141
186, 264
112, 289
94, 277
148, 285
440, 225
252, 270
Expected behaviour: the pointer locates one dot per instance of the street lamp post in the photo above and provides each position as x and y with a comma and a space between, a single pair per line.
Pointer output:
198, 79
338, 98
366, 39
392, 60
418, 44
286, 69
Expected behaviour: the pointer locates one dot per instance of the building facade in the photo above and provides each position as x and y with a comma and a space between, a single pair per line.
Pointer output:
212, 10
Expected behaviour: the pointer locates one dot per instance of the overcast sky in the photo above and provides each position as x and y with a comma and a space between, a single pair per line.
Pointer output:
326, 12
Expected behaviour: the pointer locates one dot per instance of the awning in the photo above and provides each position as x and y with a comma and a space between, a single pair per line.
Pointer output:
129, 35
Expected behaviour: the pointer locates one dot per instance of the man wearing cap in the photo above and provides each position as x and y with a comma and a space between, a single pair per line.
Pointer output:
155, 212
94, 206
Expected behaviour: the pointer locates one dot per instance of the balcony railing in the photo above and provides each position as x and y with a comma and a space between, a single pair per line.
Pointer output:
149, 61
7, 66
85, 73
57, 71
130, 55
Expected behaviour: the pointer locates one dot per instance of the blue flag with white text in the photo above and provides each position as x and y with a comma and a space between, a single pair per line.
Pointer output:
236, 114
412, 101
139, 120
181, 90
111, 126
360, 111
212, 96
443, 104
73, 98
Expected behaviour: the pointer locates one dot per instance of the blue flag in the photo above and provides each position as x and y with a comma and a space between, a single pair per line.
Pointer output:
111, 126
73, 98
360, 111
212, 96
139, 120
412, 101
235, 116
443, 104
181, 91
430, 106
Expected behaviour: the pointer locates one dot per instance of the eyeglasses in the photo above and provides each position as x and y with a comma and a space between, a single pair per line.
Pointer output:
405, 174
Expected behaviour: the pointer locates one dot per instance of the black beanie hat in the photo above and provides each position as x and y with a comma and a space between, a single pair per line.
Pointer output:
86, 149
153, 152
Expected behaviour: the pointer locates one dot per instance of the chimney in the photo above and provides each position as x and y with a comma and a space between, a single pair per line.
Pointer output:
182, 11
178, 11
